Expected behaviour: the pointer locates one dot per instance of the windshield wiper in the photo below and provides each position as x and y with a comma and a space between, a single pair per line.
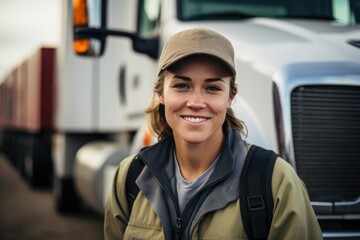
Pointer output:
235, 15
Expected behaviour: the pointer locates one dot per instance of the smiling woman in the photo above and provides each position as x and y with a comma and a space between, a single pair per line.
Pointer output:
178, 49
189, 186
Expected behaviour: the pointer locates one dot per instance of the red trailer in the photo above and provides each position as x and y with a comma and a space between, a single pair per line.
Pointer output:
27, 115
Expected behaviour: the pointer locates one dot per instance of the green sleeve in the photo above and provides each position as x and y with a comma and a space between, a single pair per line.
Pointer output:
116, 210
293, 215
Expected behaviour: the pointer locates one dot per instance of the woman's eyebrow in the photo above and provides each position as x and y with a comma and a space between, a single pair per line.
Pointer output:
214, 79
182, 77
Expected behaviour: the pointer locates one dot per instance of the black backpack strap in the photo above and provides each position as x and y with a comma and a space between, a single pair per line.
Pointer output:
131, 188
256, 200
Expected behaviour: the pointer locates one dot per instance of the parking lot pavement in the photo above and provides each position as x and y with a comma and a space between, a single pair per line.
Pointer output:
27, 214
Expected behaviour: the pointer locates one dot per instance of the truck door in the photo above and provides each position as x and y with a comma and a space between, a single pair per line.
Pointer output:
141, 69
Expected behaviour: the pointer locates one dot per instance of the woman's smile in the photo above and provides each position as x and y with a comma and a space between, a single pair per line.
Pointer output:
195, 119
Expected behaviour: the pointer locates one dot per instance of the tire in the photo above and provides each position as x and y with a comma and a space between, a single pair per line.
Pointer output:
21, 154
38, 162
65, 197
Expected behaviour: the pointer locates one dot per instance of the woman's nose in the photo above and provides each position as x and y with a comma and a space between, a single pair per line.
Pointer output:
196, 101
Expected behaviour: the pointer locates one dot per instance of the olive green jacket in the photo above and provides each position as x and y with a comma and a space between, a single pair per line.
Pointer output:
219, 215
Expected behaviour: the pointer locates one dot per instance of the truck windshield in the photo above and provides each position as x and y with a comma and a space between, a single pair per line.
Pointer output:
340, 11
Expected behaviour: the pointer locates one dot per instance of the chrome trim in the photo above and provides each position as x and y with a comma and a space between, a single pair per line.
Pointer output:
347, 207
347, 235
279, 126
323, 207
297, 74
352, 203
347, 217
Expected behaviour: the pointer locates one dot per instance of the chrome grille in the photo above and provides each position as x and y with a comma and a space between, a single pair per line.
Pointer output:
326, 138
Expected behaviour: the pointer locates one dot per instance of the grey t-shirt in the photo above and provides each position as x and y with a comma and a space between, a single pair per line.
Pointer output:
187, 189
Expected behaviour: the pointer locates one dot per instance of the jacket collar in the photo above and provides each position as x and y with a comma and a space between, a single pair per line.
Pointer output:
159, 161
159, 158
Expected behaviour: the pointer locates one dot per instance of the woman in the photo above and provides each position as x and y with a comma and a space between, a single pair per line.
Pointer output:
189, 187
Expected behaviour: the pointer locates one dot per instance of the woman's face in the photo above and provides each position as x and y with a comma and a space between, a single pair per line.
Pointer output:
196, 95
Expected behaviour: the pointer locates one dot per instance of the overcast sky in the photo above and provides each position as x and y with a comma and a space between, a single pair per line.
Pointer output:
25, 25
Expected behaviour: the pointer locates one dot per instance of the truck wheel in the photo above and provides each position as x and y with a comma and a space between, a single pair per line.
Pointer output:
37, 162
20, 162
65, 197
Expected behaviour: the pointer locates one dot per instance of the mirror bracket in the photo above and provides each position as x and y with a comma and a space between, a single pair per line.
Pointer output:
148, 46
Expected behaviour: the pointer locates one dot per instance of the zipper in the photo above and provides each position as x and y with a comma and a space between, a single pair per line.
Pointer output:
178, 229
185, 215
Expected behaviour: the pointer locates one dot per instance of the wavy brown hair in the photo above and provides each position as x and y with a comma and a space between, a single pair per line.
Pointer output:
156, 112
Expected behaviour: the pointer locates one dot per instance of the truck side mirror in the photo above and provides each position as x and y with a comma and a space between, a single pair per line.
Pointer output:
90, 31
89, 16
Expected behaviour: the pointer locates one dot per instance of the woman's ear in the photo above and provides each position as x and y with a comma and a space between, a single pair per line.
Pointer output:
161, 99
233, 93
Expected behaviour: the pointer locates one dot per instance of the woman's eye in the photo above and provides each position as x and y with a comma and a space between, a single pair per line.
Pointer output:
181, 86
213, 88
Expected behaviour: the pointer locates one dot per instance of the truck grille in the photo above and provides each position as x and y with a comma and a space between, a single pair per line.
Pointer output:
326, 138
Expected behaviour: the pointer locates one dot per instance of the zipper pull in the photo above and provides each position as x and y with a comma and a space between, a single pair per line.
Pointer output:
178, 228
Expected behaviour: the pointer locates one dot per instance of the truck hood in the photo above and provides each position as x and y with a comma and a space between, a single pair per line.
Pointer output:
269, 44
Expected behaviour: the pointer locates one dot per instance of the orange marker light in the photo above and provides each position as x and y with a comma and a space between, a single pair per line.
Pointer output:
80, 13
80, 18
81, 46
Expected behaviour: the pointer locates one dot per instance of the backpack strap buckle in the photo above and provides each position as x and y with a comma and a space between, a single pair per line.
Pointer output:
255, 203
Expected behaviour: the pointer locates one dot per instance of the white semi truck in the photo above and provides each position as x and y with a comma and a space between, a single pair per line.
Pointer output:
298, 65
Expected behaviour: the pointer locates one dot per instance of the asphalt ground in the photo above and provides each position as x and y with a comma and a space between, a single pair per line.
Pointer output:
29, 214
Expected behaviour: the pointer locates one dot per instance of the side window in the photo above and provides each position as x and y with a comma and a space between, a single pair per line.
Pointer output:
346, 11
148, 17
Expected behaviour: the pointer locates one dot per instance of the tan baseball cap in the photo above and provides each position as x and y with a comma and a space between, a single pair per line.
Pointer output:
197, 41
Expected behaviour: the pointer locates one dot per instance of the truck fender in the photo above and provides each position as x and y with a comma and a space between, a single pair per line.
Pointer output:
255, 132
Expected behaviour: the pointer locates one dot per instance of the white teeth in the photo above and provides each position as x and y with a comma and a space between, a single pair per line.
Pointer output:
195, 120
